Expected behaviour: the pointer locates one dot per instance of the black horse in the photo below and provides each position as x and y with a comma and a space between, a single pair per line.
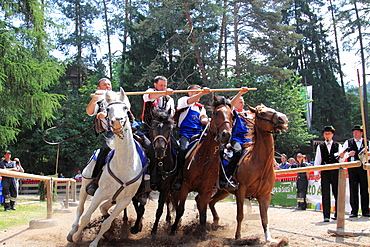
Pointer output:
165, 170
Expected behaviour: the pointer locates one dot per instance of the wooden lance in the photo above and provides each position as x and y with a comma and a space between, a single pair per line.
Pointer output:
186, 91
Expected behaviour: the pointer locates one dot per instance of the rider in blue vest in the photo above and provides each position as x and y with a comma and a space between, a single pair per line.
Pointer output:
238, 136
192, 118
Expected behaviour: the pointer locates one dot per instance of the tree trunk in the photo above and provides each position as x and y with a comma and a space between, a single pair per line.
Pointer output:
193, 40
363, 62
108, 38
236, 40
337, 46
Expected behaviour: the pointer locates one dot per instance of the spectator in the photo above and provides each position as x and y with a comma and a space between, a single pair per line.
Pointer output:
328, 153
357, 175
276, 165
302, 183
10, 190
292, 163
284, 164
78, 175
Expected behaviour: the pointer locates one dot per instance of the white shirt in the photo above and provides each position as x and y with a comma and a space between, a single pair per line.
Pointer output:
318, 158
345, 146
159, 101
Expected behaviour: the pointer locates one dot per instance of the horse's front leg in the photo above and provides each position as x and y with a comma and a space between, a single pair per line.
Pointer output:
122, 204
80, 210
180, 208
240, 193
220, 195
140, 209
202, 202
97, 199
161, 201
264, 203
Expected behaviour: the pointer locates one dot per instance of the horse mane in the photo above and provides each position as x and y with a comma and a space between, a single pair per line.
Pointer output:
163, 116
220, 100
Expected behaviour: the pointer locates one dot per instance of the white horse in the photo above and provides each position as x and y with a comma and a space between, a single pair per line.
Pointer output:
121, 177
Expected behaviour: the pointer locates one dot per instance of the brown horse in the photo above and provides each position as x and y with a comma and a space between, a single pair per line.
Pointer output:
255, 174
201, 168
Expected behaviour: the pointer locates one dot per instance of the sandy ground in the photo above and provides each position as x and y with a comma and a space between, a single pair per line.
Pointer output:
289, 226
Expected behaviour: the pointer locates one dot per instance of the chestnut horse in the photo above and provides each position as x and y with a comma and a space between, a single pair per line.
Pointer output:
201, 168
255, 174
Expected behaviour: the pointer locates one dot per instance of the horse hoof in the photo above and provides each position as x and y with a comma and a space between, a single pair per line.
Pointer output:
69, 238
172, 232
134, 230
237, 236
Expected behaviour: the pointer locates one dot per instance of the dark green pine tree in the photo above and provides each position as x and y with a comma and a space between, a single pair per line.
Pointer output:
26, 70
314, 59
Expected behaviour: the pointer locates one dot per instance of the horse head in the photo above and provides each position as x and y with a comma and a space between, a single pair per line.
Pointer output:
221, 123
117, 111
268, 119
162, 125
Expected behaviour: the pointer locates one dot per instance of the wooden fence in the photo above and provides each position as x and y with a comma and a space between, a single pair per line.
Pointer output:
69, 183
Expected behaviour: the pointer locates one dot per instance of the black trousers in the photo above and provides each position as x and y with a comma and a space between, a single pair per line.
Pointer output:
358, 178
302, 185
329, 178
9, 188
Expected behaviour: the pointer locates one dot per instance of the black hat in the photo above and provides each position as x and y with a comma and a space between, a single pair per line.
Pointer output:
357, 127
7, 152
328, 128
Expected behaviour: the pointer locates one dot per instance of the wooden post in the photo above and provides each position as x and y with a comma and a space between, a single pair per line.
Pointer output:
73, 191
49, 199
66, 204
341, 200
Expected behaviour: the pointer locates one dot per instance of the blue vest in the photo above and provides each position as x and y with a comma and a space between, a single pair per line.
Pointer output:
191, 124
240, 129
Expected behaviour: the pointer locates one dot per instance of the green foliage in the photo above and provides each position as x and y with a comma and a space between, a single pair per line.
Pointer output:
314, 60
26, 71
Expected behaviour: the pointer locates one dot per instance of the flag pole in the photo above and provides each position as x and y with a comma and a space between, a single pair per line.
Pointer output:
364, 128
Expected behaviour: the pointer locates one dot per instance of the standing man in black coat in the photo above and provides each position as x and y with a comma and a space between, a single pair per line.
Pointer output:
357, 175
328, 153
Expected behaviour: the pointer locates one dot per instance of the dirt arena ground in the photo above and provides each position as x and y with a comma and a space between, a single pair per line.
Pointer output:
289, 226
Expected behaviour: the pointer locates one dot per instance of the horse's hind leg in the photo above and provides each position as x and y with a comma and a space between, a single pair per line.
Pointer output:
263, 206
140, 209
105, 207
220, 195
79, 212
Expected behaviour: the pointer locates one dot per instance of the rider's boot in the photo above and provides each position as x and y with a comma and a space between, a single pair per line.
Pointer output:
100, 162
180, 163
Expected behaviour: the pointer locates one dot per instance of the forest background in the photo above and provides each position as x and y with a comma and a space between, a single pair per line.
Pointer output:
54, 52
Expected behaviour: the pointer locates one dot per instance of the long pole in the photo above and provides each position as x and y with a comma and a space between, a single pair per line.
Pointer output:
186, 91
364, 127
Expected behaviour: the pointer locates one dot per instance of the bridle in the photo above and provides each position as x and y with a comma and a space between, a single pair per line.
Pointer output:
218, 126
118, 131
165, 139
